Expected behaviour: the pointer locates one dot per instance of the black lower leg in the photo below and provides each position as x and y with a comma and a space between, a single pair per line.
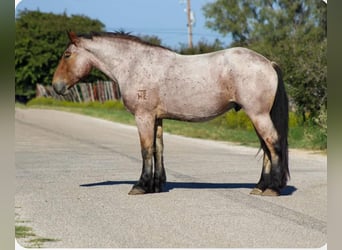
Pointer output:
159, 171
145, 183
265, 178
159, 179
275, 178
278, 174
264, 182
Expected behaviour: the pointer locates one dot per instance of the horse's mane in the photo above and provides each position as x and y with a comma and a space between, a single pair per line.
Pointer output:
121, 35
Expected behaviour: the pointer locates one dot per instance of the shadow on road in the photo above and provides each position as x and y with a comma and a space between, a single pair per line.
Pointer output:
288, 190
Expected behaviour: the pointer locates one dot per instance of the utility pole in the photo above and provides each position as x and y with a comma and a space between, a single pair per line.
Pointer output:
190, 23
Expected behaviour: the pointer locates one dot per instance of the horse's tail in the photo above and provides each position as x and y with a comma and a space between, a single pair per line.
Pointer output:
280, 118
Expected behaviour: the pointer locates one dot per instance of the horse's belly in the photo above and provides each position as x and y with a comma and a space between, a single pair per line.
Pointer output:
201, 108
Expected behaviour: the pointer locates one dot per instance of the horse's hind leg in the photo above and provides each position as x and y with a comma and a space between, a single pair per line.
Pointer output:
266, 168
270, 181
263, 182
159, 171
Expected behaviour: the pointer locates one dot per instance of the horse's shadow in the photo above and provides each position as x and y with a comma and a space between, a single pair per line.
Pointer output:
288, 190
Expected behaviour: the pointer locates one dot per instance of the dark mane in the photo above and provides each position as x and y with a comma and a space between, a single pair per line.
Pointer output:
121, 35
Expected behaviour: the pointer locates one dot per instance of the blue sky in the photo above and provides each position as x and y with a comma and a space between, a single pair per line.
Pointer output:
163, 18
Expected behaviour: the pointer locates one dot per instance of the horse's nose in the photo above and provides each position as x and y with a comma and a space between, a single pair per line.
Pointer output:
59, 87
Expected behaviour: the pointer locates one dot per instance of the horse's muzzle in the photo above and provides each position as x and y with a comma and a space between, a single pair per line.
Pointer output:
59, 87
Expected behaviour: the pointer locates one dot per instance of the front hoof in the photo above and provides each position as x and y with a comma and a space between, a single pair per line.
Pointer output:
137, 190
270, 192
256, 191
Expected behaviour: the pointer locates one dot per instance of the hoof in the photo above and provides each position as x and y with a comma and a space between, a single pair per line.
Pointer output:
270, 192
256, 191
137, 190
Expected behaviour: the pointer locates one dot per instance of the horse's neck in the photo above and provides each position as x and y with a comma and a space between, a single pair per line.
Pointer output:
106, 57
118, 58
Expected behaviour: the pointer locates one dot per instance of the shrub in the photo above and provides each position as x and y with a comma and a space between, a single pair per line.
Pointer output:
322, 122
294, 120
238, 120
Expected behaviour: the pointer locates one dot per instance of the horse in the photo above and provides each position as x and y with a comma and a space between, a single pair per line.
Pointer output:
157, 83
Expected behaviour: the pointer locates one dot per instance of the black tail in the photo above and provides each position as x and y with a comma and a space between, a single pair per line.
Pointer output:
280, 118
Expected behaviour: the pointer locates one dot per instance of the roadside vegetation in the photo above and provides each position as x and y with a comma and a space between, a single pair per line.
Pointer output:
25, 235
31, 239
232, 126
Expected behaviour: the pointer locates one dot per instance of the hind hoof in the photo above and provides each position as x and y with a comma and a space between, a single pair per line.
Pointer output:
270, 192
256, 191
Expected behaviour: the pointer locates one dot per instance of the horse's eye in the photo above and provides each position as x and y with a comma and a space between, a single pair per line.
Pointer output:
67, 54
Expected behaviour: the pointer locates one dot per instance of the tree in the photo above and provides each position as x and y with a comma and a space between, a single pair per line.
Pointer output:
40, 41
201, 47
291, 32
151, 39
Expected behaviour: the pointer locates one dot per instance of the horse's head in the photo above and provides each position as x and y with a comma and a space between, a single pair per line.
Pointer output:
73, 66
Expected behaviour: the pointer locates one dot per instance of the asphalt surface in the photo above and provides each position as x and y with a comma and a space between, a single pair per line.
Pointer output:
73, 174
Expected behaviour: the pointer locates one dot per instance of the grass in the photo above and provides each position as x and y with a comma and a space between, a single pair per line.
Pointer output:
23, 232
26, 233
211, 130
39, 242
232, 126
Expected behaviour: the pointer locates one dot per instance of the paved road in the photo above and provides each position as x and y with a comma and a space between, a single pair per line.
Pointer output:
73, 174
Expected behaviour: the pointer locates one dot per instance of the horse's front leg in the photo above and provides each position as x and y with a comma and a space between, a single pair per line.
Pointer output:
159, 173
146, 129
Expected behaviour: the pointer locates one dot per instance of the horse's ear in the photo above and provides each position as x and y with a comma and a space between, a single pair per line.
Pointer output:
72, 37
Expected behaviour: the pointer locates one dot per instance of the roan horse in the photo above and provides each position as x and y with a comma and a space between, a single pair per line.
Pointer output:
157, 83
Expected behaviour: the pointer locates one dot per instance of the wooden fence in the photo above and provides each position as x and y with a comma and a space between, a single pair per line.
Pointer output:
83, 92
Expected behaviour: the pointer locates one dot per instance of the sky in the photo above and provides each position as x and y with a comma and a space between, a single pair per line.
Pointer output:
166, 19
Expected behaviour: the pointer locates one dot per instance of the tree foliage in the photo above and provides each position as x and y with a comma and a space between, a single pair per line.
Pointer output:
291, 32
201, 47
40, 41
151, 39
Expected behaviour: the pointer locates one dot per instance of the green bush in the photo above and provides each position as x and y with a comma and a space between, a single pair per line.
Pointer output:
238, 120
294, 120
42, 101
